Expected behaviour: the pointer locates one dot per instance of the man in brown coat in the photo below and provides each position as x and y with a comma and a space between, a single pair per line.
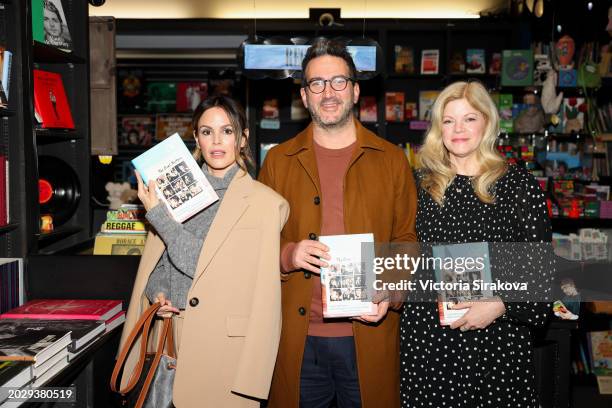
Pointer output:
339, 178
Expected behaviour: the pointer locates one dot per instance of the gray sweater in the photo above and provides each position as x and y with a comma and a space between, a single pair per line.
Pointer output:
174, 272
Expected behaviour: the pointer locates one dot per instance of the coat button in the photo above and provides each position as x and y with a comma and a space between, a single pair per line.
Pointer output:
312, 236
193, 302
302, 311
317, 200
307, 275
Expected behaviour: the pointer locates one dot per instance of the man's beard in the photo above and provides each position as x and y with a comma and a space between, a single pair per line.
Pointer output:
345, 116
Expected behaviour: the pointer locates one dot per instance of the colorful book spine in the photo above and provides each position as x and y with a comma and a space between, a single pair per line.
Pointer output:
124, 227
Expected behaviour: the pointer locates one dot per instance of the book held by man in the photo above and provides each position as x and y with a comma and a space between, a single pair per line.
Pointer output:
463, 270
345, 282
180, 183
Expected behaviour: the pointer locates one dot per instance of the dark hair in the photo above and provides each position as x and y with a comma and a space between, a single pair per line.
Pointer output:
238, 120
323, 46
52, 8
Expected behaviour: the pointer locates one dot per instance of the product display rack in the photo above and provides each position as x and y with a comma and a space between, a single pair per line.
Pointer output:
26, 140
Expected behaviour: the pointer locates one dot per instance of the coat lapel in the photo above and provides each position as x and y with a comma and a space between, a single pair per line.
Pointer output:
232, 207
309, 163
302, 147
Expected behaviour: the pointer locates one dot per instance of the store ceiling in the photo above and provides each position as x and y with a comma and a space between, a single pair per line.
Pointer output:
295, 9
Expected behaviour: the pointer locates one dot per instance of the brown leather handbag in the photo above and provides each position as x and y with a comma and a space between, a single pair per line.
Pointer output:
150, 385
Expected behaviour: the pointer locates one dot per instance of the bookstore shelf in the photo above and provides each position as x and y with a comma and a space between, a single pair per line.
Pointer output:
415, 76
48, 238
44, 53
8, 227
566, 224
44, 136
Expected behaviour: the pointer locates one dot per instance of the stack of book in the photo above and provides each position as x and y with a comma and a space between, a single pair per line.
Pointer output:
11, 283
123, 233
39, 338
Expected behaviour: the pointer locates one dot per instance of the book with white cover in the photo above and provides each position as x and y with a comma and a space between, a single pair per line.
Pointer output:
465, 277
180, 183
345, 283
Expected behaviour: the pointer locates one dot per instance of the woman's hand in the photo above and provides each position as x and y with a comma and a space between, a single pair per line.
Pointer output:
480, 314
166, 309
381, 298
147, 195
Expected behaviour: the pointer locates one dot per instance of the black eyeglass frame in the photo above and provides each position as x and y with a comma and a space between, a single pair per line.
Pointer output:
325, 81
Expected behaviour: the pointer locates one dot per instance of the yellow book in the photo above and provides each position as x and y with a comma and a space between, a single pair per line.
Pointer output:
119, 244
124, 227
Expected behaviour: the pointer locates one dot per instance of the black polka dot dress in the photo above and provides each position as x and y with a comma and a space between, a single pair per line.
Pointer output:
492, 367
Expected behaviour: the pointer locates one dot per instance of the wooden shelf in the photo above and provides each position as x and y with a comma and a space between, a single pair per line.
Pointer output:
44, 53
8, 227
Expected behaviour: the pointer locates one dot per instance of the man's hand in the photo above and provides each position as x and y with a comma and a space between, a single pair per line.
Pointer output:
480, 314
147, 195
306, 255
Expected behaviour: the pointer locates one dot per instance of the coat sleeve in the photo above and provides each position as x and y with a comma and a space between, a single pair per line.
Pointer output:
403, 233
258, 356
266, 176
405, 201
538, 259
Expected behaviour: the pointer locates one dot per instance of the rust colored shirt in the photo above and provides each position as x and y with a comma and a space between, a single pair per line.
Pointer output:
332, 165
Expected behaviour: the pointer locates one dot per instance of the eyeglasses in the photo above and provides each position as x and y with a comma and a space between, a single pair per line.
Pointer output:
337, 83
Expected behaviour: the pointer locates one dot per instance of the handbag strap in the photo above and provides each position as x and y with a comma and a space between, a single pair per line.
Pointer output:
165, 336
142, 327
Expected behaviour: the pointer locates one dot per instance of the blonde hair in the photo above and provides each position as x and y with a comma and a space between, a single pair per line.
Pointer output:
434, 157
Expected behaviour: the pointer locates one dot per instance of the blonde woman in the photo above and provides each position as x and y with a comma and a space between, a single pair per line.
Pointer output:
468, 193
217, 273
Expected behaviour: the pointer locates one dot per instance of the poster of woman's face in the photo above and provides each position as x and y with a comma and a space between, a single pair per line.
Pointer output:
55, 25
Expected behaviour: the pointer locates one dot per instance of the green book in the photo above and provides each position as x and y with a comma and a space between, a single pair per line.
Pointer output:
517, 68
38, 28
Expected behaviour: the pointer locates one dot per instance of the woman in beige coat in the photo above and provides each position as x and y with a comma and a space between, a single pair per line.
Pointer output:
217, 273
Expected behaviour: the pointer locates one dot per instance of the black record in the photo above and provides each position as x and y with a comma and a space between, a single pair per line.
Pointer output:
59, 189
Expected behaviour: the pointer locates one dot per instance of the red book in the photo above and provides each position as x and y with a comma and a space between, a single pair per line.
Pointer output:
3, 190
115, 321
50, 100
65, 309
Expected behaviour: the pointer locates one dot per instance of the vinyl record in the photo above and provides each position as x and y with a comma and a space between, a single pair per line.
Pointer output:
59, 189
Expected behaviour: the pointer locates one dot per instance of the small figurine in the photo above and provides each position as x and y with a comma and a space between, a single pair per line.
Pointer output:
550, 100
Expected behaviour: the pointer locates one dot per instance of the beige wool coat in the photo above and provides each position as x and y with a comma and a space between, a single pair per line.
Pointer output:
229, 340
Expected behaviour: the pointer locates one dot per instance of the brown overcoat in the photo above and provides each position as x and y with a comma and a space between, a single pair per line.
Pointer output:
379, 197
229, 339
